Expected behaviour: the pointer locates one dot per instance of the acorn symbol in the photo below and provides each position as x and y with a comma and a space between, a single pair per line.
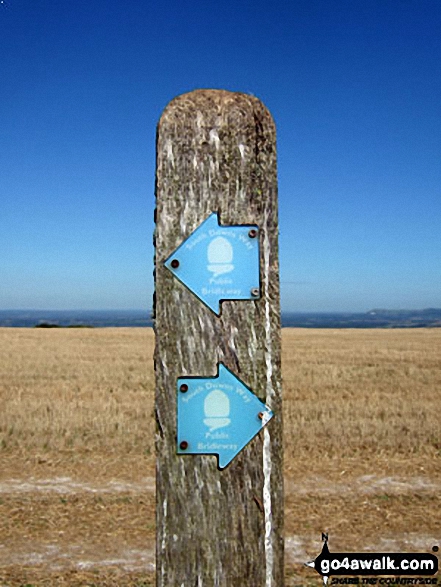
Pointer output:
217, 410
220, 256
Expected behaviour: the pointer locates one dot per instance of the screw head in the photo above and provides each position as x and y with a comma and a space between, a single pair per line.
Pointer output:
255, 291
260, 415
183, 388
175, 263
252, 233
183, 445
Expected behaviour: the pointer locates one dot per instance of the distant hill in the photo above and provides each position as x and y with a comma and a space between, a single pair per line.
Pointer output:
428, 313
377, 318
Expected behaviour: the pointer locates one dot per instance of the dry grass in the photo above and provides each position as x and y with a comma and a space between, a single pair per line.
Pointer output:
76, 389
362, 392
346, 392
362, 447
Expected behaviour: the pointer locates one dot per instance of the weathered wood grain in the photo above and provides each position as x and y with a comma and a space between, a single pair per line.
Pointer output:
216, 152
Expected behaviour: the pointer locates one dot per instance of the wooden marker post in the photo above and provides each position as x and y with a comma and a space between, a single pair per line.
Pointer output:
218, 381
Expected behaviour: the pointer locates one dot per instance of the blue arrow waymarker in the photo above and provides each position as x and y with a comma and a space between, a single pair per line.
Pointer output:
219, 263
217, 415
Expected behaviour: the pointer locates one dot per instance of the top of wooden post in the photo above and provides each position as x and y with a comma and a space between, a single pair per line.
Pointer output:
235, 134
215, 101
218, 108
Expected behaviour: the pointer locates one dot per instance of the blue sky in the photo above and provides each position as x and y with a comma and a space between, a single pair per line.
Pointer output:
354, 87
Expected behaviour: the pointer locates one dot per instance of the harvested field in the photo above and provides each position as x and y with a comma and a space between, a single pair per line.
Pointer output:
362, 450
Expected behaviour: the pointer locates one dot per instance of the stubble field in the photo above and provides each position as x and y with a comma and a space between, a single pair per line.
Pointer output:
362, 450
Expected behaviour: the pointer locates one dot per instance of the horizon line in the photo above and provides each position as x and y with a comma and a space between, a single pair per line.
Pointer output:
149, 311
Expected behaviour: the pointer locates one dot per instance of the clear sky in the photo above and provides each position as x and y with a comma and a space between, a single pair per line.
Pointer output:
354, 87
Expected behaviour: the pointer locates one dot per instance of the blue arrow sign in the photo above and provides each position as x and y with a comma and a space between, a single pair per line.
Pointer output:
219, 263
217, 415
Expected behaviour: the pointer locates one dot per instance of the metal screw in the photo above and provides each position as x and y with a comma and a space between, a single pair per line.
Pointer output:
183, 445
255, 292
252, 233
260, 415
175, 263
183, 388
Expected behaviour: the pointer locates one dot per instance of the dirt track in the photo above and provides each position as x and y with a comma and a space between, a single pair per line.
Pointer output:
90, 522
